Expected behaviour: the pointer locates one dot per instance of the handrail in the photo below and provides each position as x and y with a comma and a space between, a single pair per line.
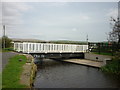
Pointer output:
27, 47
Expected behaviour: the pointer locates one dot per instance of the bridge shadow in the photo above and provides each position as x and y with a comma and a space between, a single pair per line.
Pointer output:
49, 63
58, 55
54, 60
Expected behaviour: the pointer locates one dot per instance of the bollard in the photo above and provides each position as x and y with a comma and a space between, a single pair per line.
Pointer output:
106, 60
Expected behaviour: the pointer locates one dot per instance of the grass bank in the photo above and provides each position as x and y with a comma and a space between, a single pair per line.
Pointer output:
11, 73
114, 66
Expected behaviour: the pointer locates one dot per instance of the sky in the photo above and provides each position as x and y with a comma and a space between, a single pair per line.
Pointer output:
58, 20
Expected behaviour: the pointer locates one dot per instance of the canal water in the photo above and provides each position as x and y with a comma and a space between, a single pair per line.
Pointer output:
57, 74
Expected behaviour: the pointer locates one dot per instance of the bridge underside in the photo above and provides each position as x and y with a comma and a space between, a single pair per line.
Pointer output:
58, 55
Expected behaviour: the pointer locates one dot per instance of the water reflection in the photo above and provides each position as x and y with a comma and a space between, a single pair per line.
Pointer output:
56, 74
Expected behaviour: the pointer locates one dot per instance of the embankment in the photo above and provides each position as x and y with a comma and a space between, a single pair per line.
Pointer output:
12, 72
29, 72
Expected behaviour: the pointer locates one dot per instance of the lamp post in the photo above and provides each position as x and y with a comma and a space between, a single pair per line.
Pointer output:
87, 39
87, 42
4, 36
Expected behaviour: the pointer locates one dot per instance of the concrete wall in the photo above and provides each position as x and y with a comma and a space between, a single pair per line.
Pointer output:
28, 73
97, 57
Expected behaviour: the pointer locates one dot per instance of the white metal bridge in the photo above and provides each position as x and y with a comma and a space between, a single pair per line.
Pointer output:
27, 47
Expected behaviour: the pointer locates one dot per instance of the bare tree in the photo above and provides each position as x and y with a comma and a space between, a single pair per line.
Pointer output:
114, 35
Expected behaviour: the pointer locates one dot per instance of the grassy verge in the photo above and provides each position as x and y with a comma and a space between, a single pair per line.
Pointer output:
0, 80
102, 53
113, 66
6, 50
11, 73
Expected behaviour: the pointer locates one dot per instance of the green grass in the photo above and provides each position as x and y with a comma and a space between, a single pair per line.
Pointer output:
103, 53
11, 73
0, 80
113, 67
6, 50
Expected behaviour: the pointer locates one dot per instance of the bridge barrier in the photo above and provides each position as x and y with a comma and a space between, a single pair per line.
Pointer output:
27, 47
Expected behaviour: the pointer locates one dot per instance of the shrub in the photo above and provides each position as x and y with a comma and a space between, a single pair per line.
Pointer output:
114, 66
7, 42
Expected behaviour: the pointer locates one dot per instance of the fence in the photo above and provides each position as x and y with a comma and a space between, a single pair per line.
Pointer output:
103, 47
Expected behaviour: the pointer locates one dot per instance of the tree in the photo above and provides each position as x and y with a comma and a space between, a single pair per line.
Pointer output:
7, 42
114, 35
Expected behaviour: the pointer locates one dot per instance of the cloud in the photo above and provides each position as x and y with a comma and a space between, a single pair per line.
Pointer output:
0, 13
85, 17
113, 13
64, 20
12, 12
55, 4
74, 29
77, 17
60, 1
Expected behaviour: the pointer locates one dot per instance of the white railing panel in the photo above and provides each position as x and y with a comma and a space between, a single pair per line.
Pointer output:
47, 47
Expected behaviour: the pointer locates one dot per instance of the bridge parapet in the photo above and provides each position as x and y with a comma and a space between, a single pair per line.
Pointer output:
27, 47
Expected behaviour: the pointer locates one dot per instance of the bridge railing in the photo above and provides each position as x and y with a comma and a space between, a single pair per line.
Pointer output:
27, 47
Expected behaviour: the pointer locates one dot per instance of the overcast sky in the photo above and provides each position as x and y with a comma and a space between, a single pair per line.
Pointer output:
58, 21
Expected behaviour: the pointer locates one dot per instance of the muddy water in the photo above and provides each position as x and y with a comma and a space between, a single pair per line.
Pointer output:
56, 74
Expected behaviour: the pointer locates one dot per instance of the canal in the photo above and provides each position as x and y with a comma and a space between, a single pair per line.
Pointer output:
57, 74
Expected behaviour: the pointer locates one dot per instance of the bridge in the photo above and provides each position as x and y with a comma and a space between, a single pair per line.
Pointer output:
27, 47
59, 52
50, 50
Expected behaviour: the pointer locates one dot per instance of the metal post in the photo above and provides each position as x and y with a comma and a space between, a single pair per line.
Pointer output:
87, 39
28, 46
14, 45
99, 48
83, 48
4, 36
23, 48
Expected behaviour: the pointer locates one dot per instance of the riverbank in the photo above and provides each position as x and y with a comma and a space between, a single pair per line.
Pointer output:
5, 56
29, 72
12, 71
19, 72
113, 67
